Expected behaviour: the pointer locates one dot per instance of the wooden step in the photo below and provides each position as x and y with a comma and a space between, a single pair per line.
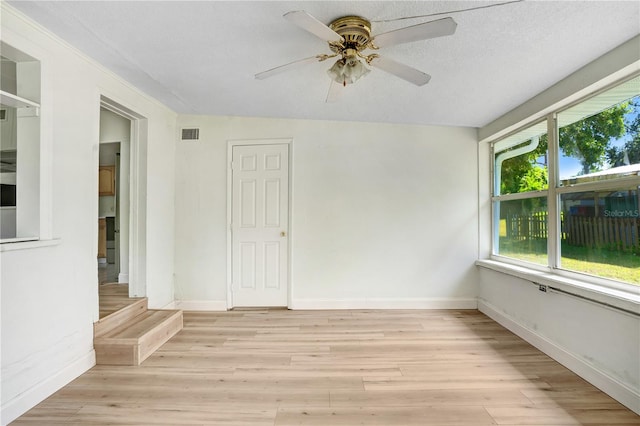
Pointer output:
126, 312
135, 339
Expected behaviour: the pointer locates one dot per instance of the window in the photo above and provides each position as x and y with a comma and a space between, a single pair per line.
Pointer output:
19, 146
520, 195
571, 202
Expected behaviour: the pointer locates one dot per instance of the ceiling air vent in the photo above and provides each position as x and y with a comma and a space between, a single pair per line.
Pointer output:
190, 134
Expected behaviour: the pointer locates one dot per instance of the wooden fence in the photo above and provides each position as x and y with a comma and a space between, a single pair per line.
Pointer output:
525, 227
619, 233
606, 232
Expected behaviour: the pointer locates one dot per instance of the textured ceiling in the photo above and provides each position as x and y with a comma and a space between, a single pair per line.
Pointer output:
200, 57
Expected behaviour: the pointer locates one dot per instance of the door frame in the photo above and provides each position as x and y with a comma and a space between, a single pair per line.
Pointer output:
245, 142
137, 240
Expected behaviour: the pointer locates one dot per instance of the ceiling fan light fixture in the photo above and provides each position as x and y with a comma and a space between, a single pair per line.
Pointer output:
350, 37
347, 70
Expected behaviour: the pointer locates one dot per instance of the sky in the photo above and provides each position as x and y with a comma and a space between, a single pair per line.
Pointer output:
570, 166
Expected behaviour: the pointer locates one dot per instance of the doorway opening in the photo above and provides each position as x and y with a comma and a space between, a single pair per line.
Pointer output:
121, 236
113, 198
112, 211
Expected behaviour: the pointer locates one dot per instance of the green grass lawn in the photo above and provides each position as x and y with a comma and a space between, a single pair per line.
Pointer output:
618, 265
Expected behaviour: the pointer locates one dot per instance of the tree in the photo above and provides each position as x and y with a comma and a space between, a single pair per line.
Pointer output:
616, 155
513, 171
589, 138
536, 179
633, 124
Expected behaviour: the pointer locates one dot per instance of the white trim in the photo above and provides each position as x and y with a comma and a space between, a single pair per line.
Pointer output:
626, 297
123, 278
617, 390
383, 303
10, 100
554, 226
521, 195
198, 305
20, 244
22, 403
243, 142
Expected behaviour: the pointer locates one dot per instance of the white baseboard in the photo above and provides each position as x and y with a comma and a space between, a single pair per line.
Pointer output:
123, 278
315, 304
617, 390
409, 303
22, 403
198, 305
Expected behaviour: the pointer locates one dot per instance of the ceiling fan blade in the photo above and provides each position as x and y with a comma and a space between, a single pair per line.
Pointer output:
433, 29
311, 24
403, 71
286, 67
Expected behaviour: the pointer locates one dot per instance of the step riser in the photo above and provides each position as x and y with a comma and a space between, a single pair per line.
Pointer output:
114, 350
159, 336
111, 354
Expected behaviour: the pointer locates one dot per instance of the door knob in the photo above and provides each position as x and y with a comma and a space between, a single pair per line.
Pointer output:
283, 234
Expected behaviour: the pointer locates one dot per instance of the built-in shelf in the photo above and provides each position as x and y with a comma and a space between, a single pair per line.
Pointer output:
10, 100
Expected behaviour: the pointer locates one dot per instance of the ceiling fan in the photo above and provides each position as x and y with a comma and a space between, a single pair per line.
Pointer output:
348, 37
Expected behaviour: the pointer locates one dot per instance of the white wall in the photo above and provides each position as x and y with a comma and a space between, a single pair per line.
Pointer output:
49, 294
382, 215
113, 129
600, 344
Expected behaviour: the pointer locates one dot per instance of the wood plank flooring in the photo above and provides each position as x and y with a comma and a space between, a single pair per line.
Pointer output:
279, 367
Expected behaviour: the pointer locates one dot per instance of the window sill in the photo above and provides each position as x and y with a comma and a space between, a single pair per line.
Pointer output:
23, 244
625, 299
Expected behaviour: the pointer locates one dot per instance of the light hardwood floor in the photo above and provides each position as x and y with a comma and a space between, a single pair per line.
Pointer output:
279, 367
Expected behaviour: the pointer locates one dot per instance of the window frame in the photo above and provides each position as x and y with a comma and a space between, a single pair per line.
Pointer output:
495, 182
553, 271
39, 103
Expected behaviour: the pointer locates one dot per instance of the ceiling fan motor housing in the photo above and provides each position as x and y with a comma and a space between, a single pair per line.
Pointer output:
355, 30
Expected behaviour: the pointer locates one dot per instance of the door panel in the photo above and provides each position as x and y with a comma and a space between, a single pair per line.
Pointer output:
260, 209
248, 203
272, 203
272, 265
247, 265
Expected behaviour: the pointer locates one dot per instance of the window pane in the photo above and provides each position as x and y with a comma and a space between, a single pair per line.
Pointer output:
599, 138
600, 233
521, 229
521, 161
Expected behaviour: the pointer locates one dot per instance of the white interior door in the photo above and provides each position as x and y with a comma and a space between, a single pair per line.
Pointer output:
260, 225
